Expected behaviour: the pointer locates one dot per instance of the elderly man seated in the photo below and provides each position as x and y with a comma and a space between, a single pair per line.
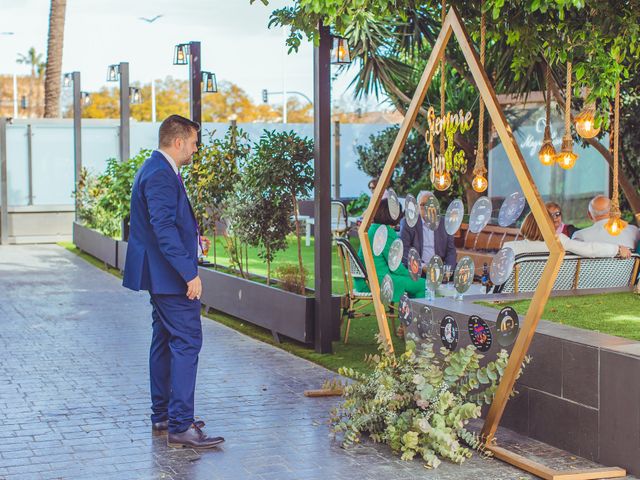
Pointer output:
427, 242
599, 212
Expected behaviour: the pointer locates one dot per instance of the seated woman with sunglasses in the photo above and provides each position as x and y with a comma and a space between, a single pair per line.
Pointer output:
556, 215
534, 243
402, 281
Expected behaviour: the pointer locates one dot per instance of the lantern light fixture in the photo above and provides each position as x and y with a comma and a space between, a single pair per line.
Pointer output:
181, 54
135, 96
209, 82
85, 98
113, 73
67, 80
340, 54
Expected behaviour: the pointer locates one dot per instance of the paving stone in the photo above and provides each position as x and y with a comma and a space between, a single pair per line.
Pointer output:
74, 401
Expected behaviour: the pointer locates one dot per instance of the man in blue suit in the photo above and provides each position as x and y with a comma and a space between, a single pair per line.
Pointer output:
162, 258
426, 241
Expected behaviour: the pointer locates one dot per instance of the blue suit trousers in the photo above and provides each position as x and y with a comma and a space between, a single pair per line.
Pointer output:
173, 359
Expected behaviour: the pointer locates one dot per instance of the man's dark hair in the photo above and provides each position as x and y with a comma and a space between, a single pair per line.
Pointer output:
383, 216
175, 126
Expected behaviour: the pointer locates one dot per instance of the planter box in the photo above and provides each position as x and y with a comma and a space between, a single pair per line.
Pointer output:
96, 244
122, 254
282, 312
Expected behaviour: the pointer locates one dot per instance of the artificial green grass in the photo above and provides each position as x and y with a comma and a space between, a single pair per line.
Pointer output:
288, 256
362, 334
611, 313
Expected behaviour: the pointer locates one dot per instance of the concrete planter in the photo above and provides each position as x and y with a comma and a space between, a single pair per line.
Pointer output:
122, 254
96, 244
282, 312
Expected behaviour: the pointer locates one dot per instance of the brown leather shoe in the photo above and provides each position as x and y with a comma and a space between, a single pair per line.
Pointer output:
164, 425
193, 437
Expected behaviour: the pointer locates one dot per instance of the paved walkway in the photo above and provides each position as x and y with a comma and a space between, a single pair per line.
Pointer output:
74, 397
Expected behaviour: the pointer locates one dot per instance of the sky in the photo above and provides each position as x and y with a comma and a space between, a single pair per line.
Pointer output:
236, 43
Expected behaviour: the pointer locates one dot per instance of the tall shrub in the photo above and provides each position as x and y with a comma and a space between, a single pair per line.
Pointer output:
283, 170
212, 175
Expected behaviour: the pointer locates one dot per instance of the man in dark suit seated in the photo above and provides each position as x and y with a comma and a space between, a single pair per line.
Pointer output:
426, 241
162, 258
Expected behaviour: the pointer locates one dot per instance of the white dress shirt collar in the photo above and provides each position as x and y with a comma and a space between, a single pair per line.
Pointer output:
171, 161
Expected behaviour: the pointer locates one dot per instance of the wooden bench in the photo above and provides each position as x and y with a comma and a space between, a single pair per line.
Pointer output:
481, 247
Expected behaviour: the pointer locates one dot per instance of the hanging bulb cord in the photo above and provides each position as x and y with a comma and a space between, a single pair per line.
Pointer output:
615, 207
442, 84
548, 106
479, 168
567, 105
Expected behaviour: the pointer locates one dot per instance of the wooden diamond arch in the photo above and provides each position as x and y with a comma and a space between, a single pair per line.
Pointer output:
453, 25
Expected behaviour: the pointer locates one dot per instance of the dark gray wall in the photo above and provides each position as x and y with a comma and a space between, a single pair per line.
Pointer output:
581, 391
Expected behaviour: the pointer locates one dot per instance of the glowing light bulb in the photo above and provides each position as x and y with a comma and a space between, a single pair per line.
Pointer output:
442, 181
547, 153
479, 183
585, 123
566, 158
615, 225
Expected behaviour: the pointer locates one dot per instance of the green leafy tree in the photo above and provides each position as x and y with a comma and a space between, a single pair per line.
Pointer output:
283, 170
105, 199
390, 40
258, 220
212, 176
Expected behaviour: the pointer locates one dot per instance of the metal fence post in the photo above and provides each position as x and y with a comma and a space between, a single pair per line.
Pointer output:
4, 195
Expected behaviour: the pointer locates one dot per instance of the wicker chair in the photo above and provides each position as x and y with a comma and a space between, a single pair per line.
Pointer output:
339, 219
352, 267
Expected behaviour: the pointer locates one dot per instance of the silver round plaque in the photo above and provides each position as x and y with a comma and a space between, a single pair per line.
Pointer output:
395, 254
511, 209
411, 211
463, 276
453, 217
380, 239
413, 264
435, 270
425, 323
432, 212
394, 204
502, 266
480, 215
386, 290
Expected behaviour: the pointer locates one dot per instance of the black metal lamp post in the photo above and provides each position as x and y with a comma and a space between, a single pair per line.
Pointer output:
323, 57
80, 98
121, 72
189, 54
115, 73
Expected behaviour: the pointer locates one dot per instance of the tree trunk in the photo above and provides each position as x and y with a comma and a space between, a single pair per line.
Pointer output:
268, 267
300, 265
53, 72
215, 239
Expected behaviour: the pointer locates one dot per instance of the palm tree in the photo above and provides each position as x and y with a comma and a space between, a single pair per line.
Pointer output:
33, 60
53, 70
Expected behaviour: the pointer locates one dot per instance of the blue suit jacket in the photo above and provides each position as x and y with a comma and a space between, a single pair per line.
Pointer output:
162, 254
444, 246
